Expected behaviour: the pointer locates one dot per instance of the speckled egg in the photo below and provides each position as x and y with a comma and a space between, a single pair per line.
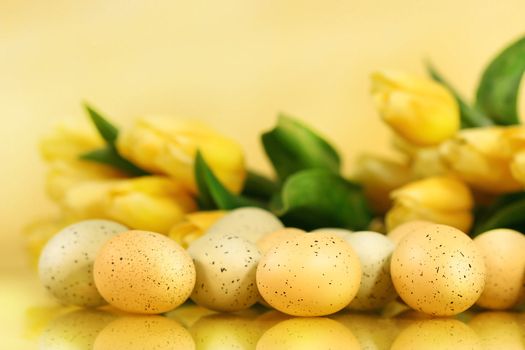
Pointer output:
249, 223
226, 268
504, 254
75, 330
309, 333
406, 228
341, 232
437, 334
144, 332
66, 263
374, 251
438, 270
268, 241
498, 330
311, 275
144, 272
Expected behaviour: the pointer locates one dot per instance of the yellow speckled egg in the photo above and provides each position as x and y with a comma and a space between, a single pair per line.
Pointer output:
144, 332
397, 234
374, 251
144, 272
66, 263
341, 232
268, 241
226, 267
499, 330
504, 254
308, 333
437, 334
311, 275
249, 223
438, 270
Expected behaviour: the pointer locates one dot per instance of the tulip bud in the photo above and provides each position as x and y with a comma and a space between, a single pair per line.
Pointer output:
193, 226
168, 146
482, 158
439, 199
420, 110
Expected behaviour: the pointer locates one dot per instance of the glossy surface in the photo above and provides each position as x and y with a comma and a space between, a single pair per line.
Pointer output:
37, 322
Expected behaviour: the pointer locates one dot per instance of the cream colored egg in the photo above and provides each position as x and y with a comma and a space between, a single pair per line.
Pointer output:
74, 330
438, 270
226, 267
309, 333
374, 251
66, 263
268, 241
437, 334
311, 275
504, 254
341, 232
397, 234
144, 272
144, 332
249, 223
499, 330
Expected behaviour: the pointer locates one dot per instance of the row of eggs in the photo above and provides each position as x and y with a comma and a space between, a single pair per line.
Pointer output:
248, 257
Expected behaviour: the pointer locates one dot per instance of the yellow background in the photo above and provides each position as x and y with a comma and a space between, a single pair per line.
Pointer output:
232, 63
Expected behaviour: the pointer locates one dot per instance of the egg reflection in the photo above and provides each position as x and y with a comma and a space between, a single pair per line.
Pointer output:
308, 333
372, 332
75, 330
437, 334
499, 330
189, 313
144, 332
226, 331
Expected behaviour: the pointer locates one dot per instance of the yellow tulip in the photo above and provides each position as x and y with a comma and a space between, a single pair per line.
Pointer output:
439, 199
420, 110
193, 226
379, 176
152, 203
482, 158
168, 146
422, 161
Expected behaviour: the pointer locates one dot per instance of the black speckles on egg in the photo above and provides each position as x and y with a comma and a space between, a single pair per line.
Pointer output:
66, 262
144, 272
227, 280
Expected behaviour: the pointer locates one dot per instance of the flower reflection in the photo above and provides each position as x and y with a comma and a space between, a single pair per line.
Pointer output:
75, 330
303, 333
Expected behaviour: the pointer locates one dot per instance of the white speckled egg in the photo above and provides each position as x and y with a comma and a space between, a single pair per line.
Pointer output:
311, 275
66, 263
144, 332
248, 223
75, 330
268, 241
226, 268
504, 254
438, 270
374, 251
309, 333
144, 272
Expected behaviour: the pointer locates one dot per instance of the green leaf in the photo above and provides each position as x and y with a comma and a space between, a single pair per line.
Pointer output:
497, 93
107, 130
318, 198
503, 213
291, 147
471, 117
258, 186
109, 156
212, 194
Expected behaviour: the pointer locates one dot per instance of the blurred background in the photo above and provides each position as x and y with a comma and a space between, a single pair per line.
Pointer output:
234, 64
